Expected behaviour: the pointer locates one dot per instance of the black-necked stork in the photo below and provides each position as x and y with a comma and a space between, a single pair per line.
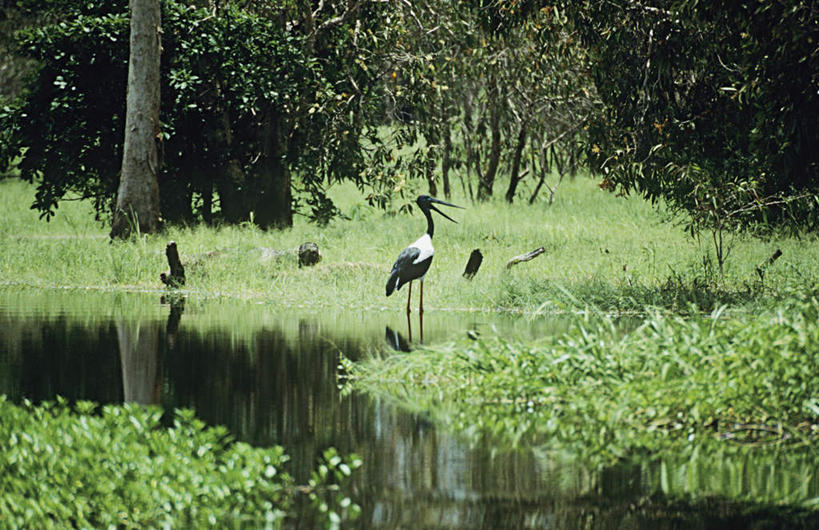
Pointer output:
414, 261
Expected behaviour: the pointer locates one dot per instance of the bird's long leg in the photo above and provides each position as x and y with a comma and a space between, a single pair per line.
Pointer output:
421, 303
409, 327
409, 296
421, 326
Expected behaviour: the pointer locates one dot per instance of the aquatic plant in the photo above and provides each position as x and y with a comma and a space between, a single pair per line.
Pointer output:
671, 385
117, 466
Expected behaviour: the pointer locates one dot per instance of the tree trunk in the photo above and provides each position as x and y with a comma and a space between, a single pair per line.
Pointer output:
487, 180
230, 182
468, 135
446, 160
515, 176
234, 204
543, 168
433, 186
274, 206
138, 192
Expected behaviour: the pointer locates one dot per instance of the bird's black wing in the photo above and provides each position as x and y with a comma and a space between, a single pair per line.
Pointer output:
402, 264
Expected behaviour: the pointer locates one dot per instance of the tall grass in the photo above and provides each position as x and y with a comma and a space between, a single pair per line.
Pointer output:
671, 385
618, 254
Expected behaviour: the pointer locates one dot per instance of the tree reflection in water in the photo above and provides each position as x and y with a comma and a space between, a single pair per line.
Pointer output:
276, 382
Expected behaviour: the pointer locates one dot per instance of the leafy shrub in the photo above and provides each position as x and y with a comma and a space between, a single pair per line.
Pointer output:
248, 98
64, 466
215, 70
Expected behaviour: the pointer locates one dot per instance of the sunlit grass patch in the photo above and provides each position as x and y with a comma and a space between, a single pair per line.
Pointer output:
616, 254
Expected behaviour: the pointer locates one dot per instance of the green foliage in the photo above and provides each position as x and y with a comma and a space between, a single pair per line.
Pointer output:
603, 394
14, 67
217, 72
465, 95
710, 108
71, 126
118, 466
323, 488
247, 99
705, 108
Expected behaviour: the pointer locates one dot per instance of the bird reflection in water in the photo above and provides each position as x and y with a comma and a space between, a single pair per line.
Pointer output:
396, 340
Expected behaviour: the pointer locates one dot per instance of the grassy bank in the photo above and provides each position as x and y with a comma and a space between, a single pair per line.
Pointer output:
617, 254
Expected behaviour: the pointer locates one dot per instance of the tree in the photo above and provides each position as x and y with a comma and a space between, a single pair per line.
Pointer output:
259, 111
495, 99
138, 193
12, 67
710, 108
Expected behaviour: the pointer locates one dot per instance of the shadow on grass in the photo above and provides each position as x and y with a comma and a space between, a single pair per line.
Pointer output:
676, 293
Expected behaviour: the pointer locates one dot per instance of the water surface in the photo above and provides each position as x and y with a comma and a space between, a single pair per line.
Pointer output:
270, 374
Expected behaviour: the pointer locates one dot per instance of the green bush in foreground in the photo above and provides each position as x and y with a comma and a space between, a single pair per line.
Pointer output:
121, 468
598, 393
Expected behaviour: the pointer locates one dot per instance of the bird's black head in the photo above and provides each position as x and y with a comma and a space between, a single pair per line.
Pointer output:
427, 203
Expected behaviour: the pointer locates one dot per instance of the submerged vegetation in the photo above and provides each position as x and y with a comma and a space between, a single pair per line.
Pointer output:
610, 393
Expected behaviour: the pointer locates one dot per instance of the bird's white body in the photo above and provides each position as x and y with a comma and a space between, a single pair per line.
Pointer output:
424, 244
412, 264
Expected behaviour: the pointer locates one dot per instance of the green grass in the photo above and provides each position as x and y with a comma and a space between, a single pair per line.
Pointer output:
617, 254
672, 388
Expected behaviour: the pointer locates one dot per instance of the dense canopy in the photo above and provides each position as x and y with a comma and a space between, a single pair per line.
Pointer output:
711, 110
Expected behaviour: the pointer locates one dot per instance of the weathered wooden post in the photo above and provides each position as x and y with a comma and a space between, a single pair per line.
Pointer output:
176, 276
525, 257
762, 267
474, 263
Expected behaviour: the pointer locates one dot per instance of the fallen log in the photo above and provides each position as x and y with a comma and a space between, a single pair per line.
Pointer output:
306, 254
525, 257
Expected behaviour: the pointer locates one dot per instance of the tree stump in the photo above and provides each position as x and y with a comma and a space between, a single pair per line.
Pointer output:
176, 276
474, 263
308, 254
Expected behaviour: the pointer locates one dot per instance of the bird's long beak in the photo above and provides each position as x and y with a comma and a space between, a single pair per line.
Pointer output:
432, 206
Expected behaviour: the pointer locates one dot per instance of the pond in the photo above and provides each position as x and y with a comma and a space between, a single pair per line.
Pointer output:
271, 375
